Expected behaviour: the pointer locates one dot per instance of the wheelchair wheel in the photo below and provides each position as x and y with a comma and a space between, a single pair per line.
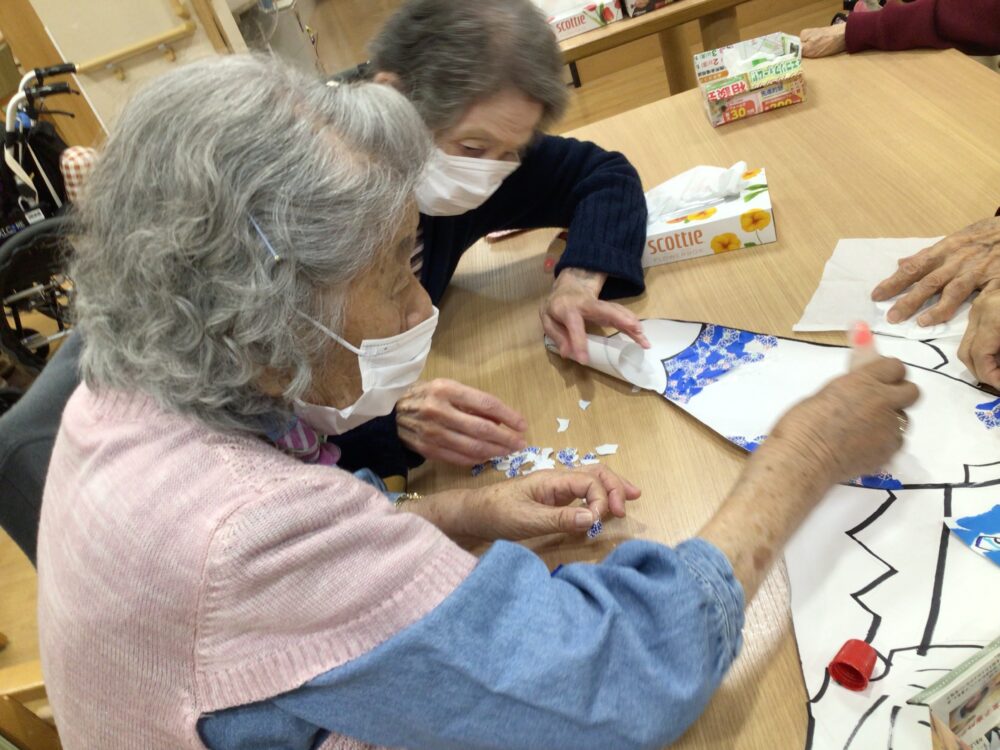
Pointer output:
32, 282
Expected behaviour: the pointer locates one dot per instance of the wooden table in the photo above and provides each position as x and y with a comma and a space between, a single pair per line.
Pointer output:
717, 19
900, 144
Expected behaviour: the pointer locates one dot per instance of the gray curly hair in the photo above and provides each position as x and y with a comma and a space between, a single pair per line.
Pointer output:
176, 294
449, 54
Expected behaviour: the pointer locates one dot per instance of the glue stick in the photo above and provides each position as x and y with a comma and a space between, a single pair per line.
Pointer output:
862, 345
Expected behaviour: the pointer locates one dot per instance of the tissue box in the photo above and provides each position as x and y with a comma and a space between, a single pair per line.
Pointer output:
639, 7
584, 17
743, 221
964, 704
747, 78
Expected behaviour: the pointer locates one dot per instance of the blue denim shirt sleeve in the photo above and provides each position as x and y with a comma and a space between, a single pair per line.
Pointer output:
622, 654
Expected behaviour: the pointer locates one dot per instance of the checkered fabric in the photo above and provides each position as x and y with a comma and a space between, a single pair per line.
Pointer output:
75, 164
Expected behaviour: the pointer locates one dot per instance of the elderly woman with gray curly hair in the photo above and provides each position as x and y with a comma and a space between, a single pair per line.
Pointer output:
487, 78
248, 252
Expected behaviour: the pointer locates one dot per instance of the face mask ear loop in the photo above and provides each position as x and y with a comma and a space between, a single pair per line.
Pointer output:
329, 333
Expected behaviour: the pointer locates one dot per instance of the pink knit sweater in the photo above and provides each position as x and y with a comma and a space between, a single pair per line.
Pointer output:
183, 571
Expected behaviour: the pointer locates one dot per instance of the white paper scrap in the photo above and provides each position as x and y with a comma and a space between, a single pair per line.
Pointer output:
843, 296
584, 404
607, 449
563, 424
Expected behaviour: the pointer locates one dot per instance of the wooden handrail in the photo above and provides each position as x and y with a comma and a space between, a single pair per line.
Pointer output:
183, 31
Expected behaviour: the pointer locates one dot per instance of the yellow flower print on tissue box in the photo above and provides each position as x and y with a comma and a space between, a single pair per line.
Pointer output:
744, 221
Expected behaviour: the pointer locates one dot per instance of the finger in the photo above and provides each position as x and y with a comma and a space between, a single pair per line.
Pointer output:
568, 520
449, 449
558, 333
952, 296
576, 332
983, 352
554, 331
463, 444
910, 269
566, 487
965, 348
615, 488
476, 402
914, 299
888, 370
903, 395
617, 316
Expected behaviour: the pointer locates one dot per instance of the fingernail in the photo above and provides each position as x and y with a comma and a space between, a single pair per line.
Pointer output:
924, 320
583, 520
893, 316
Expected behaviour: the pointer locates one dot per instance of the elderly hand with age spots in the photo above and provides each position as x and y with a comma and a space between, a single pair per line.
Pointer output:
573, 302
955, 267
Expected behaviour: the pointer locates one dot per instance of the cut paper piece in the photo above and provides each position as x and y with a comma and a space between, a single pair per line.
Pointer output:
980, 533
844, 292
563, 424
583, 404
874, 560
607, 449
594, 530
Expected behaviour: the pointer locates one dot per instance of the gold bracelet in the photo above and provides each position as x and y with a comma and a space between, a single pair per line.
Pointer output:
406, 497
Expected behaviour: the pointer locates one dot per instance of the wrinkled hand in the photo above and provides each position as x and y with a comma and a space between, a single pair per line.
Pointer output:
538, 504
446, 421
828, 40
573, 302
956, 266
980, 348
852, 426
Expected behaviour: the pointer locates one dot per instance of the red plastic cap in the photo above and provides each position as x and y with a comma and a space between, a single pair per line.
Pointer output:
852, 666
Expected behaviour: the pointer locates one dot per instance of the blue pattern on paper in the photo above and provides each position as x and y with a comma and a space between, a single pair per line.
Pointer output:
981, 533
594, 530
989, 413
716, 352
747, 444
881, 481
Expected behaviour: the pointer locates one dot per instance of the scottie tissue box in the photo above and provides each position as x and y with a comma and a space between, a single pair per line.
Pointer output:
568, 19
744, 220
751, 77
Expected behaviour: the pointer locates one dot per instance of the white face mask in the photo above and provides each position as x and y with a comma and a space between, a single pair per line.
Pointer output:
452, 185
388, 368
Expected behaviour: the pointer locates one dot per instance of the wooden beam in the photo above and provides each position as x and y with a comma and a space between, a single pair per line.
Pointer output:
654, 22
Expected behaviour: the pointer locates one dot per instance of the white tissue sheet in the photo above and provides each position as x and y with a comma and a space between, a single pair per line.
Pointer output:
844, 293
696, 188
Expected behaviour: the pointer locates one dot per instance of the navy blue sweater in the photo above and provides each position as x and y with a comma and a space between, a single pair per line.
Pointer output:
562, 182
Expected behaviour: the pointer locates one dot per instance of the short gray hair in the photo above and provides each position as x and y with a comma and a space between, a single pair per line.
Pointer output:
176, 295
449, 54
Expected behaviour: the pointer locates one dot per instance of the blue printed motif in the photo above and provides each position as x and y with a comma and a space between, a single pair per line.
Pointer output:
747, 444
594, 530
881, 481
716, 352
981, 533
989, 413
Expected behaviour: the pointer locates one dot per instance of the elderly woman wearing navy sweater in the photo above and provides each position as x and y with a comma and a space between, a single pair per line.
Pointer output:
247, 253
486, 77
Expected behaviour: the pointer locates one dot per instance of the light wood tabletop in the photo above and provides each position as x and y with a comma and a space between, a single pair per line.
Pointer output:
890, 144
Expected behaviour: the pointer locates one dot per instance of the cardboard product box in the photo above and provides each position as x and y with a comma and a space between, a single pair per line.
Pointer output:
747, 78
639, 7
746, 220
584, 17
964, 704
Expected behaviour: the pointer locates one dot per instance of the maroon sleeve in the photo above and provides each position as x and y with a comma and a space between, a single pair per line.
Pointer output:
973, 26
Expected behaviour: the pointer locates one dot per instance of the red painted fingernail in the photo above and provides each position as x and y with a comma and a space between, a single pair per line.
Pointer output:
861, 334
